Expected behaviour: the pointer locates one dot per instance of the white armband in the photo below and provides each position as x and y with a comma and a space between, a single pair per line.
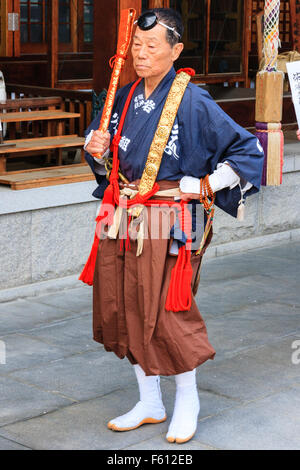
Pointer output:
222, 177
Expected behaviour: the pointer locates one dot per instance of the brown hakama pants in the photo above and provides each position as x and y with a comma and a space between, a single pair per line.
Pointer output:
129, 316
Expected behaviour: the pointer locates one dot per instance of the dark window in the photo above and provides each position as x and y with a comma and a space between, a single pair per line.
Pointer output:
88, 19
75, 25
221, 52
64, 28
144, 5
193, 17
226, 34
33, 21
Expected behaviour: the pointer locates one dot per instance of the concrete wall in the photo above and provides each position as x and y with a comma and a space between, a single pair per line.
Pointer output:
45, 243
47, 233
271, 215
272, 210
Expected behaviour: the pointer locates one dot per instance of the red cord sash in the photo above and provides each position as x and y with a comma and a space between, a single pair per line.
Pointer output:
179, 296
111, 196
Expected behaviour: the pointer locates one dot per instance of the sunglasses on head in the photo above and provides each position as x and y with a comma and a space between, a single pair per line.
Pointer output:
148, 20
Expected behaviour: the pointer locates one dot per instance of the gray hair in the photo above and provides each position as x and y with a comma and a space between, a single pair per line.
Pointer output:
173, 19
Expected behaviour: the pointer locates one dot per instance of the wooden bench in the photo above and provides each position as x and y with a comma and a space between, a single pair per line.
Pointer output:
41, 122
27, 117
28, 147
72, 100
29, 179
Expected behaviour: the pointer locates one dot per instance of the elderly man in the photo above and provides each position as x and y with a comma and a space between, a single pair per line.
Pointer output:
130, 313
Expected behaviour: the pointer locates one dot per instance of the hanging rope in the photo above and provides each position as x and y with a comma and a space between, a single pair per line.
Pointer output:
269, 99
271, 34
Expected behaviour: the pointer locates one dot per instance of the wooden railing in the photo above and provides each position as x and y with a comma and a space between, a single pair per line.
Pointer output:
72, 101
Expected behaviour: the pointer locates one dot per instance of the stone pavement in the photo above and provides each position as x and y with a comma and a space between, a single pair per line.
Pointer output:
58, 388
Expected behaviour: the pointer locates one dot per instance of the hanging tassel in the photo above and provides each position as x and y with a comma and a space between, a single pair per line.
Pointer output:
106, 211
271, 138
186, 282
87, 275
275, 155
141, 236
115, 227
268, 115
179, 298
172, 300
241, 211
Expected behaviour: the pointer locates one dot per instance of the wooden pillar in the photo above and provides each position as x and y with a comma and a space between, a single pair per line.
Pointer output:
207, 36
76, 18
6, 38
53, 43
294, 7
17, 36
106, 24
3, 29
247, 25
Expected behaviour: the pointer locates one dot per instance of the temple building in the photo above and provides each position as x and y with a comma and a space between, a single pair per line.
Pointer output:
54, 73
221, 40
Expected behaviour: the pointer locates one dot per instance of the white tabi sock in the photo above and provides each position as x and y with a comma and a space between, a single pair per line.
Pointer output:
149, 409
187, 407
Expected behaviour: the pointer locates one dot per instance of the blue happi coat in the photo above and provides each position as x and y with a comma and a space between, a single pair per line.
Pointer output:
202, 136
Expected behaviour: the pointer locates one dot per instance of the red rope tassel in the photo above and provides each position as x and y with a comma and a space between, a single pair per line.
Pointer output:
87, 275
106, 216
179, 298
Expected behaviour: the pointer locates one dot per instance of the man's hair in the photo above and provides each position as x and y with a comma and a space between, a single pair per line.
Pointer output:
171, 18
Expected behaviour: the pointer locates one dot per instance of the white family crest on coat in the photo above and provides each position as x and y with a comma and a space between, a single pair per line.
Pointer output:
171, 148
138, 101
115, 121
147, 105
124, 142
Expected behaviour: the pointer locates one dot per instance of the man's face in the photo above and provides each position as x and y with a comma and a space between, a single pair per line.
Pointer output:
152, 54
